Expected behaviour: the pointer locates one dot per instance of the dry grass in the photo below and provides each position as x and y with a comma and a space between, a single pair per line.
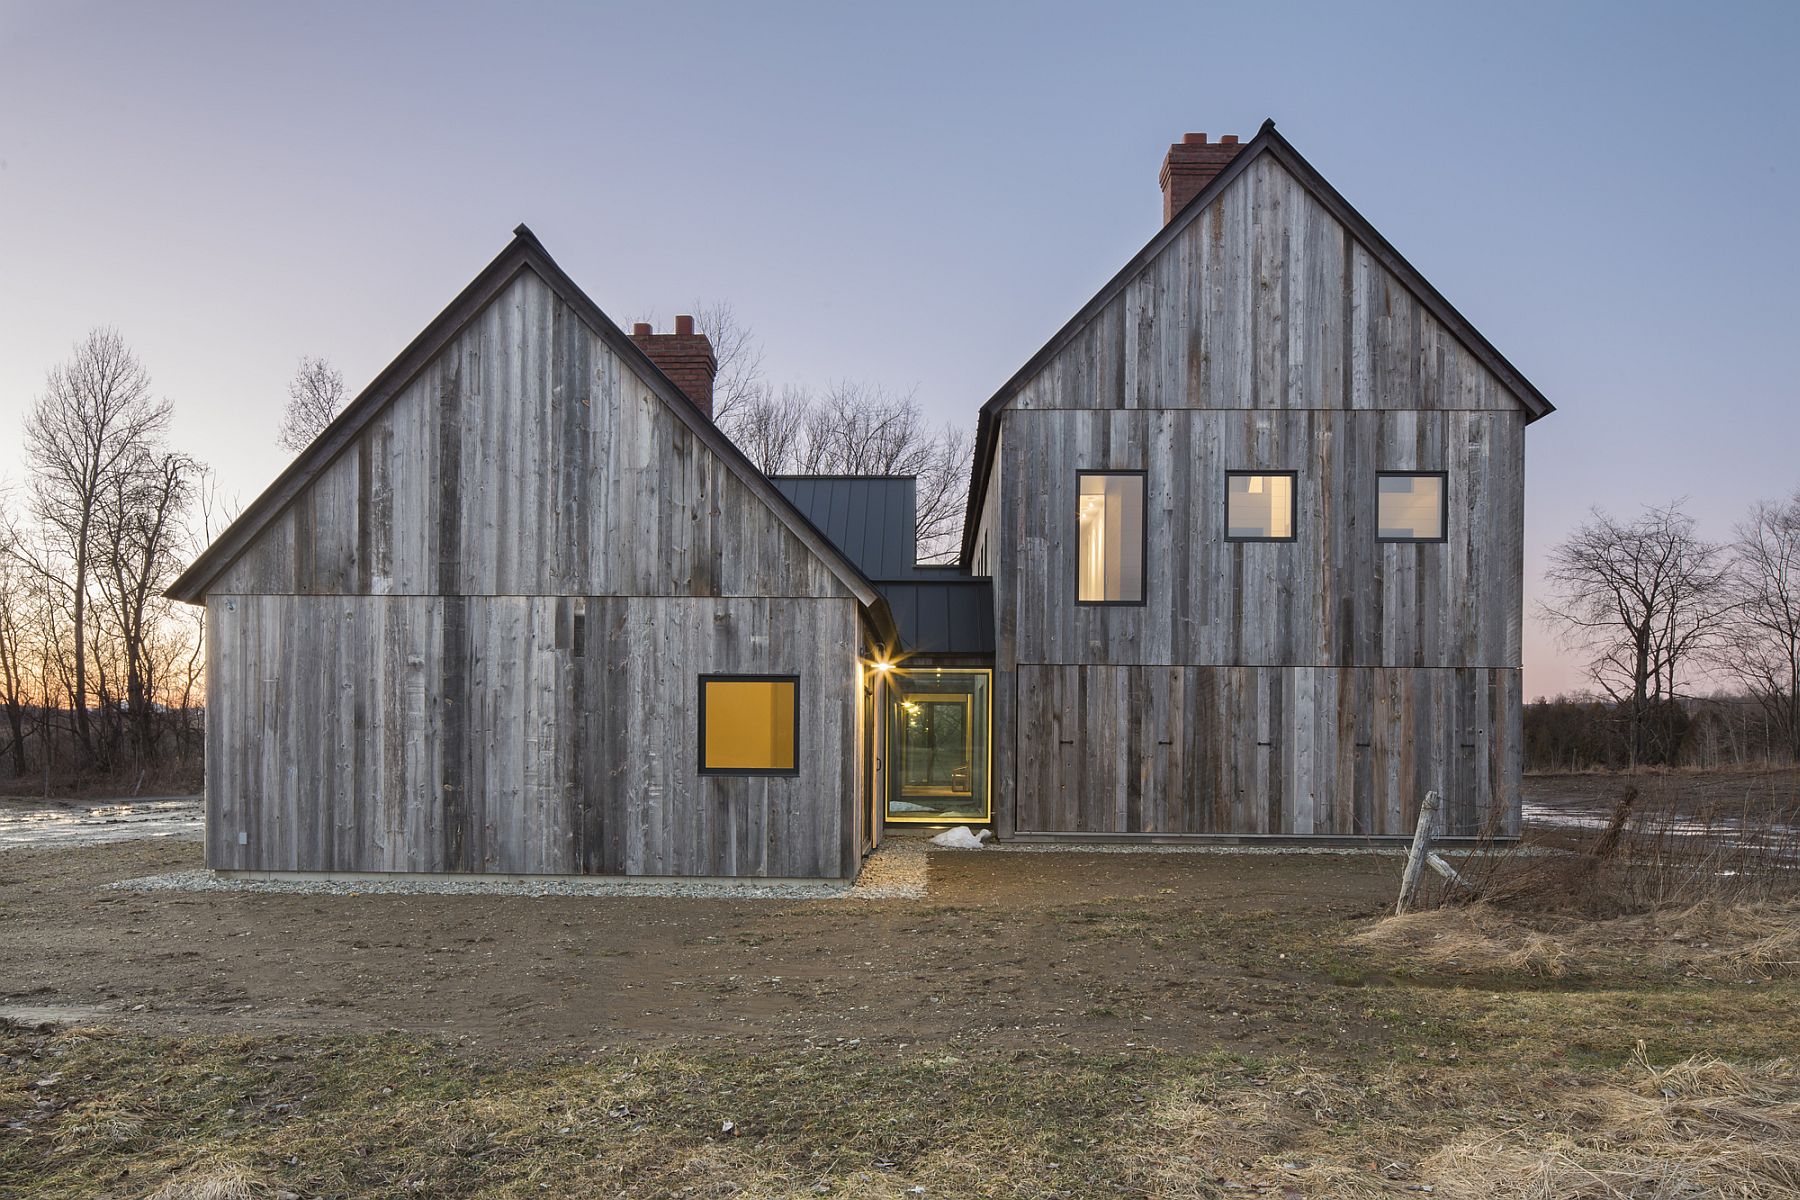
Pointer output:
1706, 889
1700, 1128
1466, 1095
212, 1181
1711, 939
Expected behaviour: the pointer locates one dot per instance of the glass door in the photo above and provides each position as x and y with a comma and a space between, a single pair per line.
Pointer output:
939, 746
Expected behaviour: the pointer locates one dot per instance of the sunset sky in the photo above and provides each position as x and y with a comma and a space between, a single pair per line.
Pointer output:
915, 195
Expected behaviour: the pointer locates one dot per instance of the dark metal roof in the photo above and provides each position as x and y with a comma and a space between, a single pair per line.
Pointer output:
939, 610
869, 518
951, 615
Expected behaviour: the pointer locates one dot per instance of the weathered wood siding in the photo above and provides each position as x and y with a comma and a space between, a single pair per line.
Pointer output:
473, 642
1311, 687
1266, 302
1332, 596
519, 735
1297, 751
528, 460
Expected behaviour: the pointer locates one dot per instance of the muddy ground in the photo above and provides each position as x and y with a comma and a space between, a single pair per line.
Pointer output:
1081, 950
1773, 791
1077, 950
1038, 1025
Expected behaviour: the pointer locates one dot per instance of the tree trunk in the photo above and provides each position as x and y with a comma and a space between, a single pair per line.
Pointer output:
1640, 699
15, 720
78, 701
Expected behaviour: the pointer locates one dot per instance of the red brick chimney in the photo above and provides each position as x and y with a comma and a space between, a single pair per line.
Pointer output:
1192, 164
684, 356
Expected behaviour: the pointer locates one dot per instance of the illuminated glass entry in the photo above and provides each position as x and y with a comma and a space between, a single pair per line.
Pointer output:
748, 725
939, 746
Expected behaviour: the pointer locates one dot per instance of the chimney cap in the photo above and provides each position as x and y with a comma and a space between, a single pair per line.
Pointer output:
1195, 139
684, 325
641, 329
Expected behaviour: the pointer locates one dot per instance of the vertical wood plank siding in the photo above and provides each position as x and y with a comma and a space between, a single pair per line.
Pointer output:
1318, 686
471, 643
383, 733
1297, 751
528, 460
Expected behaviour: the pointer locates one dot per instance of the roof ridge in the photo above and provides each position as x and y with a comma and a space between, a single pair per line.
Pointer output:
1267, 141
523, 253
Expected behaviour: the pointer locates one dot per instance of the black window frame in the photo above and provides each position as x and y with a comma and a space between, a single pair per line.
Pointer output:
1143, 478
1443, 508
1293, 504
754, 772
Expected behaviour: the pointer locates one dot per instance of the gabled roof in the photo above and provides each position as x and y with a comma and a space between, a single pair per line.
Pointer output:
1266, 141
523, 253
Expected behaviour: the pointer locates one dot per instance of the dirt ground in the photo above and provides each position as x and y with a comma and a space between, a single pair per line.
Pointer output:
1079, 1024
1084, 950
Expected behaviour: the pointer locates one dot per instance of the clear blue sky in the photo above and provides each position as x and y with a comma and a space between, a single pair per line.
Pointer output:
912, 194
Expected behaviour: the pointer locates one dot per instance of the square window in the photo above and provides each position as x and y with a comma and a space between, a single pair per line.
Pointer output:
749, 725
1411, 507
1259, 507
1110, 537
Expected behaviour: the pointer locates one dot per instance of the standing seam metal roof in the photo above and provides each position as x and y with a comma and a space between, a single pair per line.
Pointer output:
870, 519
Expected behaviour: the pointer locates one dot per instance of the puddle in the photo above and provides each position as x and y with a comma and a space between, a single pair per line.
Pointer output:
52, 1014
37, 823
1724, 832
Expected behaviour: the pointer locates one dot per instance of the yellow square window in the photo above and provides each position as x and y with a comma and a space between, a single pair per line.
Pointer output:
748, 725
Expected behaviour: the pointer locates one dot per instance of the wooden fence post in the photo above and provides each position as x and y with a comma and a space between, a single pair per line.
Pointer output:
1421, 846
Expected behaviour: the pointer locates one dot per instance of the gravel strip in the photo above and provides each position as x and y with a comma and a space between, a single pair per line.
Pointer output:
895, 872
1394, 851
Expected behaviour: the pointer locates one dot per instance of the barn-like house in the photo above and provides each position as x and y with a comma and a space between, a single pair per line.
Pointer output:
1243, 558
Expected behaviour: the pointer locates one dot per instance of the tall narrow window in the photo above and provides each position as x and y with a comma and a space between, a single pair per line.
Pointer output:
1110, 538
1259, 507
1411, 506
749, 725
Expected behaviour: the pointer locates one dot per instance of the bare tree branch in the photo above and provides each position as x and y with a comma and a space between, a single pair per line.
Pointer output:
1759, 644
95, 415
315, 395
1643, 599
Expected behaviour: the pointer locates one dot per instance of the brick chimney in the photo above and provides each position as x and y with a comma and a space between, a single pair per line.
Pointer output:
1192, 163
684, 356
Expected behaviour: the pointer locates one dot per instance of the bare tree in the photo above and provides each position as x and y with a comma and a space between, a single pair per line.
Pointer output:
852, 429
314, 397
95, 416
859, 429
1759, 647
739, 382
767, 427
14, 601
140, 521
1643, 599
